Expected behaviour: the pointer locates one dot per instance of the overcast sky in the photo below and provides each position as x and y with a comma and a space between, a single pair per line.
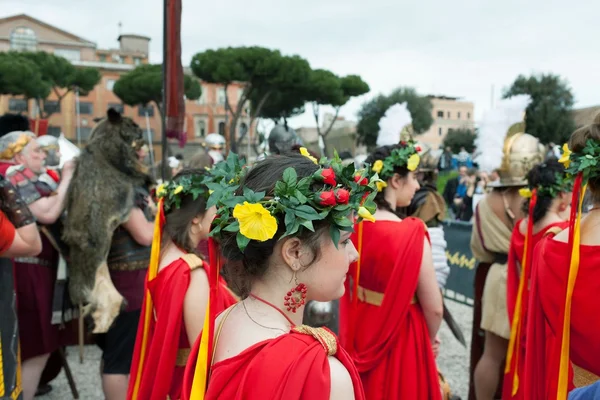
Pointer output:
456, 48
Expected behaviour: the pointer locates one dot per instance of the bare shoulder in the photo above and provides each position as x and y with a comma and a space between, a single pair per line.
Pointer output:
384, 215
341, 383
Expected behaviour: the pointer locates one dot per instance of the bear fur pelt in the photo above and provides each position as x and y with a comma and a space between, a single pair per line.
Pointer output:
100, 198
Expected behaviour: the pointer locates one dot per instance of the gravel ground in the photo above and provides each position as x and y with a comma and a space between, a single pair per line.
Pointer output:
453, 362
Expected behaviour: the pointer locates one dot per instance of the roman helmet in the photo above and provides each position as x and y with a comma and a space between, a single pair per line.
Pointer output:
281, 139
51, 147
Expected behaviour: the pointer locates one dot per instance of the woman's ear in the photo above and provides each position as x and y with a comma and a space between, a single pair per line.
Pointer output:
291, 252
395, 181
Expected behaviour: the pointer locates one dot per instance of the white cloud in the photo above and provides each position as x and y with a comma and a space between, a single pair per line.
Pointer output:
458, 48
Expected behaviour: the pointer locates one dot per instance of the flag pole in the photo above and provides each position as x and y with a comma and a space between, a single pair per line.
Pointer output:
164, 93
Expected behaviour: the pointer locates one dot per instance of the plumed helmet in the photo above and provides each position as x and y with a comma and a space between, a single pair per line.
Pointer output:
47, 141
282, 139
521, 152
429, 157
13, 122
214, 141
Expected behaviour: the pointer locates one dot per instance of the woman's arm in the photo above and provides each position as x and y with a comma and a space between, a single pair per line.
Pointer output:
342, 387
194, 304
428, 293
26, 243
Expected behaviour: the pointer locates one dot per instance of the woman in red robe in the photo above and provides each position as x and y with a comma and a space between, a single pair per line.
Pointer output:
562, 331
176, 290
390, 318
548, 199
261, 349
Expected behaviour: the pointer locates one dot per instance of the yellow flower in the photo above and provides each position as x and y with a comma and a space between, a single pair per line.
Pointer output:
210, 192
525, 192
178, 189
256, 222
413, 162
566, 156
365, 214
306, 154
160, 191
377, 166
380, 185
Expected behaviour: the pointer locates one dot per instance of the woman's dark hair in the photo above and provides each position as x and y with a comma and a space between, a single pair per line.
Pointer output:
242, 268
578, 141
545, 175
178, 220
381, 153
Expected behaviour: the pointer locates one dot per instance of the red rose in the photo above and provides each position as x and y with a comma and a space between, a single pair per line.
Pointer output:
418, 148
342, 196
327, 175
360, 180
327, 198
403, 143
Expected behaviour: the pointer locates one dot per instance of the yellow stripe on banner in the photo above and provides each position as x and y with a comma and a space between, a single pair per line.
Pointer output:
515, 331
563, 374
148, 306
202, 367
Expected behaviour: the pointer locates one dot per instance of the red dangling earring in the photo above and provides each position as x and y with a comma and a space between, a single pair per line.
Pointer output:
296, 297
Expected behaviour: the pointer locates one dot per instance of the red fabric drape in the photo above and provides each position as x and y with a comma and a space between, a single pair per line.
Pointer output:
515, 256
293, 366
174, 90
546, 310
39, 126
391, 346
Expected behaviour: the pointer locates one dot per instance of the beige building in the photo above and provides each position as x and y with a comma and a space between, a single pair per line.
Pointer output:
448, 113
203, 116
342, 136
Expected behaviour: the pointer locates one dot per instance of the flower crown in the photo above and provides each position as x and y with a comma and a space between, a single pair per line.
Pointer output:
332, 193
560, 185
223, 177
407, 155
585, 162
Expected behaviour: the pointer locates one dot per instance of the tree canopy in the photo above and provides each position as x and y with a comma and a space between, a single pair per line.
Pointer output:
548, 116
371, 112
457, 138
49, 73
143, 85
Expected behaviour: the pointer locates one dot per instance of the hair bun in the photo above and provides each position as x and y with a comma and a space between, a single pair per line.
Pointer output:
597, 119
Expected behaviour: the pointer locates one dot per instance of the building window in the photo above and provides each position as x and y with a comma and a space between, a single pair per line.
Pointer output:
448, 114
202, 98
458, 115
117, 58
468, 115
440, 114
149, 109
84, 132
200, 128
86, 108
110, 84
221, 96
51, 107
222, 128
69, 54
17, 105
54, 131
137, 61
23, 38
119, 107
102, 57
439, 131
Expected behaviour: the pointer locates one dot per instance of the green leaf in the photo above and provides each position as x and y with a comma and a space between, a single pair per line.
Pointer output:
301, 198
304, 184
307, 213
334, 232
280, 189
308, 225
234, 227
290, 218
290, 177
242, 241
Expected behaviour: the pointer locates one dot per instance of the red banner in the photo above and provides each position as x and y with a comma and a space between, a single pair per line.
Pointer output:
39, 126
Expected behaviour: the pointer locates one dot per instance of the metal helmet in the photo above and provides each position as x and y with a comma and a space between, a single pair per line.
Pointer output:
214, 141
521, 152
51, 147
281, 139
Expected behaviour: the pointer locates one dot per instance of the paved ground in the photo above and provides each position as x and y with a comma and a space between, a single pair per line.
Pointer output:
453, 362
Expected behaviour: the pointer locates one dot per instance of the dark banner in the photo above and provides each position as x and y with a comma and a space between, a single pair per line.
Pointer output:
459, 286
10, 385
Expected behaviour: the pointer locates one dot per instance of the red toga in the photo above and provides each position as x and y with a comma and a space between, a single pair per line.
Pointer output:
386, 334
167, 347
515, 257
547, 298
293, 366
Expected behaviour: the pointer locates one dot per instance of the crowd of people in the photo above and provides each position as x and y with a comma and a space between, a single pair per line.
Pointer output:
214, 268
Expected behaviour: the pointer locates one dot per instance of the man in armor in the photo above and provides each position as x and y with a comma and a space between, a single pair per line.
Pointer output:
494, 221
22, 163
49, 144
281, 139
215, 145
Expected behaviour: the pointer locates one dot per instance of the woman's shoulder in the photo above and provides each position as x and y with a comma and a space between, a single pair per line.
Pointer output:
342, 386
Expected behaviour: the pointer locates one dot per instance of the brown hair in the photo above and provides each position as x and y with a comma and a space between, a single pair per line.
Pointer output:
178, 220
244, 267
381, 153
200, 160
578, 141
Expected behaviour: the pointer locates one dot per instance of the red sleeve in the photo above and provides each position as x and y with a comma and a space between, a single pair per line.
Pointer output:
7, 233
